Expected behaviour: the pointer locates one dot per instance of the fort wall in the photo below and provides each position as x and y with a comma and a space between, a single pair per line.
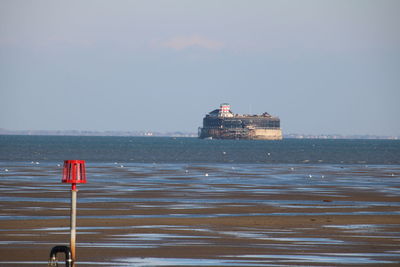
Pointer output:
267, 134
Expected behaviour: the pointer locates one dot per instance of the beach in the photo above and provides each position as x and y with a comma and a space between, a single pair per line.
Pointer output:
133, 214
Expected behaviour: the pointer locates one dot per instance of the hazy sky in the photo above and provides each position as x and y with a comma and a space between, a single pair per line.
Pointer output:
321, 66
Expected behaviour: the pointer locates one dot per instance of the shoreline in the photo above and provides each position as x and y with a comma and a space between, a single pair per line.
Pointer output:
165, 216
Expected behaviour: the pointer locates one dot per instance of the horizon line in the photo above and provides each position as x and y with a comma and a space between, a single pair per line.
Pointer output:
140, 133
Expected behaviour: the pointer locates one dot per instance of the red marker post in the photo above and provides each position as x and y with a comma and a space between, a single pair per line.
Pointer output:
74, 173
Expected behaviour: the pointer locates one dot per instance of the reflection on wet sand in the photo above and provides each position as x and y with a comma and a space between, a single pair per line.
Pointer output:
175, 215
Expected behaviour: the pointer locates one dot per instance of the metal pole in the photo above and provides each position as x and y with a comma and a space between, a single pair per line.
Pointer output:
73, 223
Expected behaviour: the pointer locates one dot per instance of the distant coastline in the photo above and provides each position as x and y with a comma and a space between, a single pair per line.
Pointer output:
96, 133
180, 134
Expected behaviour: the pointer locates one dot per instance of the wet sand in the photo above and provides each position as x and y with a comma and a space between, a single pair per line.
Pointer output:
178, 216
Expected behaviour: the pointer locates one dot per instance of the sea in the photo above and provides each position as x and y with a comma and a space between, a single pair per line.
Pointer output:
294, 177
192, 150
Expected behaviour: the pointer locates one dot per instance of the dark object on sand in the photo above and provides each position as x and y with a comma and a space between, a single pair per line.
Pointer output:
53, 262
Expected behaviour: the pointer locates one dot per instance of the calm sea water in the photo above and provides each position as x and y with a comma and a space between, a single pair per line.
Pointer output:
192, 150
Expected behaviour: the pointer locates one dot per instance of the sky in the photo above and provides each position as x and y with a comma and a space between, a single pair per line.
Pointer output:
322, 66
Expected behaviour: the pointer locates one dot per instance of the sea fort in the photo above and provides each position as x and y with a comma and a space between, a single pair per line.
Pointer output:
222, 123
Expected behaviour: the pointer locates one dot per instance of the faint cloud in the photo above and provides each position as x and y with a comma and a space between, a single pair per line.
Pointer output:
183, 42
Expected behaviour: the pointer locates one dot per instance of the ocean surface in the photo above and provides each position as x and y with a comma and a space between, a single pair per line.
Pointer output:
170, 178
193, 150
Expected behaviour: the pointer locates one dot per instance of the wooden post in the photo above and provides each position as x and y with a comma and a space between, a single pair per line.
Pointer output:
73, 223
